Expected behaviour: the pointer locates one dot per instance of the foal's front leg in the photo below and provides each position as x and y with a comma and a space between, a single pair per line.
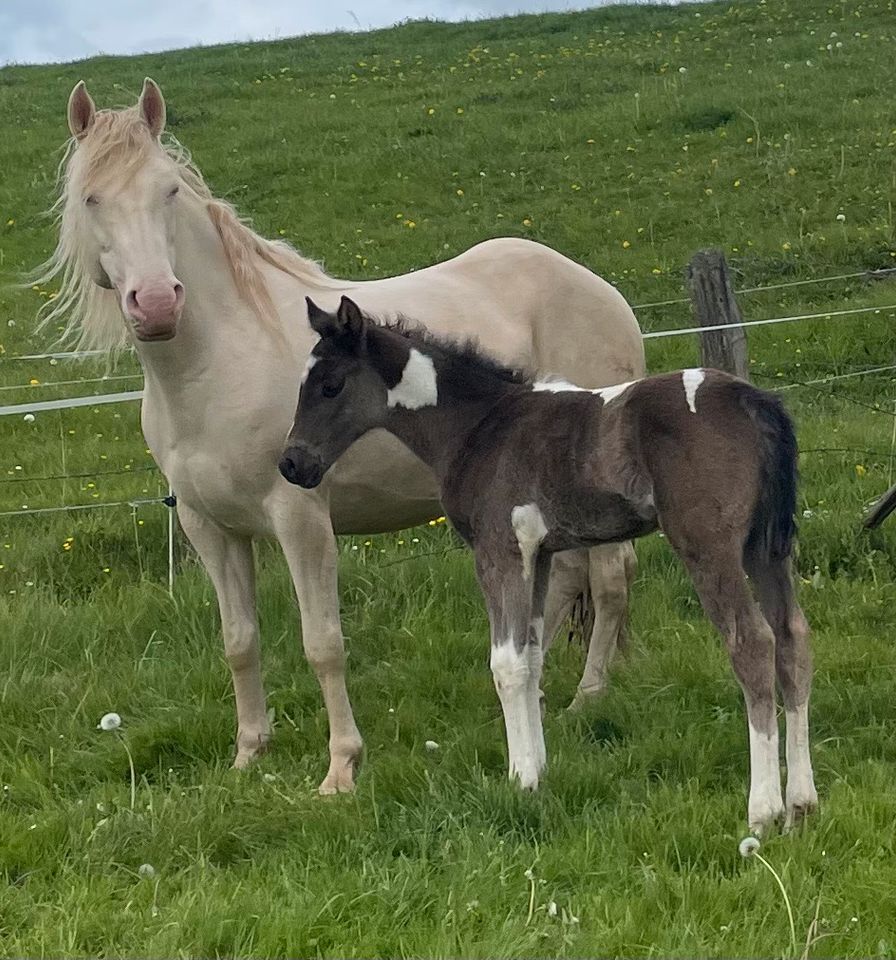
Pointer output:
515, 602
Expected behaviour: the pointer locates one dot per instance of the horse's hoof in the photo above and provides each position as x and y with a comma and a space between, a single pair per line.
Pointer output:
249, 749
799, 809
585, 696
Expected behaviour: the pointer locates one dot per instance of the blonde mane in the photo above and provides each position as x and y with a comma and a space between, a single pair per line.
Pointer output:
119, 142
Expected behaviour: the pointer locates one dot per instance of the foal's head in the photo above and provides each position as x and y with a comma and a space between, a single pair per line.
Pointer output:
345, 389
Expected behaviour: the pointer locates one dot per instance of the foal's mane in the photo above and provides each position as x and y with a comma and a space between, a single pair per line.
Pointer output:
465, 355
119, 141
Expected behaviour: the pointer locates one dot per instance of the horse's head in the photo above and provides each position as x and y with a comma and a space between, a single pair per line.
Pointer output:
342, 395
121, 200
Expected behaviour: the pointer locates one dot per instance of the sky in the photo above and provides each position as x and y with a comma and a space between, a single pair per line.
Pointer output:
45, 31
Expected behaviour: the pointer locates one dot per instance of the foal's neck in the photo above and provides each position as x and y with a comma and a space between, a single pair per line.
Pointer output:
466, 395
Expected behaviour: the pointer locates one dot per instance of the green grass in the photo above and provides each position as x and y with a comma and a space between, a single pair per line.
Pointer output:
579, 130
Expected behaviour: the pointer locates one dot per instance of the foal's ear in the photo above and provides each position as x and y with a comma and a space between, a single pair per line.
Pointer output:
322, 323
152, 106
350, 318
81, 111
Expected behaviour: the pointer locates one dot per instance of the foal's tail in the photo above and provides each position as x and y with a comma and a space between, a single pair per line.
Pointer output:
772, 528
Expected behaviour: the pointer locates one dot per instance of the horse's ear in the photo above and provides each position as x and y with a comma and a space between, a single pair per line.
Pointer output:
322, 323
81, 111
350, 318
152, 106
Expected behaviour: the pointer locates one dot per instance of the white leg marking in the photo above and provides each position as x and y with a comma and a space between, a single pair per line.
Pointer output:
692, 379
530, 529
801, 795
511, 671
535, 657
765, 804
417, 387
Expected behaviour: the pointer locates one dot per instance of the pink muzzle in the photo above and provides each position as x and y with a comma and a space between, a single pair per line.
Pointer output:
155, 307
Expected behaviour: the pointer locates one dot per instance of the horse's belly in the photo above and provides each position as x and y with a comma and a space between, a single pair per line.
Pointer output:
379, 485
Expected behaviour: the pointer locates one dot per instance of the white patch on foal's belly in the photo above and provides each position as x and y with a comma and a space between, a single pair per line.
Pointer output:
417, 387
564, 386
692, 379
530, 529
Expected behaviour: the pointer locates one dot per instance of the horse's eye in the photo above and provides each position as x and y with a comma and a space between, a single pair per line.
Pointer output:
92, 200
332, 389
173, 192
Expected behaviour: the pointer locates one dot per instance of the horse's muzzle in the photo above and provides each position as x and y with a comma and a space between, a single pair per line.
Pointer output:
302, 466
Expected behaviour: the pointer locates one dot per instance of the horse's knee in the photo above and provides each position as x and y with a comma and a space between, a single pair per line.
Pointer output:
324, 650
241, 645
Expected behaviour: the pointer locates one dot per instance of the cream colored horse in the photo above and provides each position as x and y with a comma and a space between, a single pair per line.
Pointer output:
217, 316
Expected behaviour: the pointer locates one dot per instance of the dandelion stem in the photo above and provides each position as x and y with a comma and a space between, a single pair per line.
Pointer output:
133, 775
774, 873
531, 901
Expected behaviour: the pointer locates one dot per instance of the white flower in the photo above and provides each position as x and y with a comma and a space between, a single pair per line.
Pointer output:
682, 69
28, 418
552, 909
109, 721
146, 870
431, 745
748, 846
529, 875
841, 217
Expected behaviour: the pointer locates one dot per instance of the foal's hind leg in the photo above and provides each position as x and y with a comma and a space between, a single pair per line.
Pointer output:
721, 584
793, 662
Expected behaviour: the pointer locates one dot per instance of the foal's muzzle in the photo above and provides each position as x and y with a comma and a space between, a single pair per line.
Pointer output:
302, 466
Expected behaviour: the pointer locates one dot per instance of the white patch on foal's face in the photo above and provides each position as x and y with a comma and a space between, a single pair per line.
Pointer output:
417, 387
530, 529
564, 386
692, 380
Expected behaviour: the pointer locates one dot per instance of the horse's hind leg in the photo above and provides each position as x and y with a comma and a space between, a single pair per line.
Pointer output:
721, 584
604, 576
793, 664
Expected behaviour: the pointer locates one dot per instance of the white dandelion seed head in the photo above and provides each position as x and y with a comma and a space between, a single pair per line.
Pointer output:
109, 721
431, 745
841, 217
529, 875
748, 846
146, 870
28, 418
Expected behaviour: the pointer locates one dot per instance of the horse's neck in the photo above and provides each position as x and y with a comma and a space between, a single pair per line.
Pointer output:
219, 336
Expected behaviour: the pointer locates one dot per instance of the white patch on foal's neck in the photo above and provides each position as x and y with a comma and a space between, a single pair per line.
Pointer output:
530, 529
417, 387
692, 379
556, 385
309, 363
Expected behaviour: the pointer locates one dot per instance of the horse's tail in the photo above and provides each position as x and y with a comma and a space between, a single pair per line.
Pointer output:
772, 527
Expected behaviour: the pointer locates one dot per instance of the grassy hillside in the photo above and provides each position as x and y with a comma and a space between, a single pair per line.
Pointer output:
627, 138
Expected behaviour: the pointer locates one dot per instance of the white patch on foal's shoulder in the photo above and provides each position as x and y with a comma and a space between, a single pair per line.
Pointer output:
309, 364
558, 385
692, 379
610, 393
530, 529
417, 387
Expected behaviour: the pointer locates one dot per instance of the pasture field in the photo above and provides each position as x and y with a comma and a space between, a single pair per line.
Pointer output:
627, 138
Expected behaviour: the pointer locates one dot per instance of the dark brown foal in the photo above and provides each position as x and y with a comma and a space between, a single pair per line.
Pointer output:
527, 470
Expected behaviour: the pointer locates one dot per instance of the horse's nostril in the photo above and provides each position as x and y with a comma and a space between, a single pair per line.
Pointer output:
178, 294
132, 300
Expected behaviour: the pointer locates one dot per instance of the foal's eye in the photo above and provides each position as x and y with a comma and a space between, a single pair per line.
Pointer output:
332, 389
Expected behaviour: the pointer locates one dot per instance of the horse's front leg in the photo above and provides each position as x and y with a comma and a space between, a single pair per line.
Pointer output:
309, 545
228, 559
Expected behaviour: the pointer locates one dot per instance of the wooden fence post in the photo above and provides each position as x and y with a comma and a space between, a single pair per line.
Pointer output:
713, 302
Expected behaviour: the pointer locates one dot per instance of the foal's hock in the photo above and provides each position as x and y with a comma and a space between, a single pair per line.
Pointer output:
527, 469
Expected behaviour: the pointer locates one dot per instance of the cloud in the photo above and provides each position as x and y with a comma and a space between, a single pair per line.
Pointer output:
42, 31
